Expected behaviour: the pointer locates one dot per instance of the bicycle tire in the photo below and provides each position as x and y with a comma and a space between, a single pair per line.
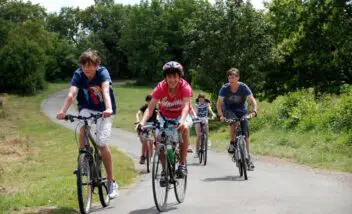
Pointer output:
200, 151
103, 187
205, 150
243, 164
84, 170
161, 204
148, 157
180, 186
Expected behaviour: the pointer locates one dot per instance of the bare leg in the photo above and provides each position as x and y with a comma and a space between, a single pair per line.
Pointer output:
184, 145
106, 156
197, 126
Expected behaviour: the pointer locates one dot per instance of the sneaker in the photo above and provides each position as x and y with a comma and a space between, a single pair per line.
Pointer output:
163, 179
113, 190
190, 150
250, 165
182, 171
142, 160
231, 148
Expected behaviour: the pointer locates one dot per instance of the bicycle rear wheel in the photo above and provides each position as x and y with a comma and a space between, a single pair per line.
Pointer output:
103, 187
160, 192
84, 182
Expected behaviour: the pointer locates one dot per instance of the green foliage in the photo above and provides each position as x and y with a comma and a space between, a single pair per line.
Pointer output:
313, 45
224, 36
23, 60
292, 45
62, 60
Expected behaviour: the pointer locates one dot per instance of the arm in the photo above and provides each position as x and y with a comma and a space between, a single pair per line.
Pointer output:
192, 112
68, 102
219, 108
185, 110
253, 104
138, 114
211, 111
107, 101
149, 111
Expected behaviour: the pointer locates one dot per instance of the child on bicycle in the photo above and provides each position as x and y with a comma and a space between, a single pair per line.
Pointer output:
203, 106
231, 103
173, 94
146, 136
92, 85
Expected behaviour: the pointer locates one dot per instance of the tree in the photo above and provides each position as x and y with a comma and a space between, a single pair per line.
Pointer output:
23, 59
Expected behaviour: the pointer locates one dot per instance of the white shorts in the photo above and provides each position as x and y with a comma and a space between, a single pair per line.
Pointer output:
102, 128
174, 134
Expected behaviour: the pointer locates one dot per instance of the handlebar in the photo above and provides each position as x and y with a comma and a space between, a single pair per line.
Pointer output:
236, 119
200, 119
94, 117
157, 125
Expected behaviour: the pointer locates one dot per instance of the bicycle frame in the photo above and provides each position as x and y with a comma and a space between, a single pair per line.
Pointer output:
94, 153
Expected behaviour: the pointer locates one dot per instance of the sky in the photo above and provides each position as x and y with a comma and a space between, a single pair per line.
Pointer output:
55, 5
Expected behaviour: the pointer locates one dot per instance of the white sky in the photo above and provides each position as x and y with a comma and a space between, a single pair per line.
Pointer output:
55, 5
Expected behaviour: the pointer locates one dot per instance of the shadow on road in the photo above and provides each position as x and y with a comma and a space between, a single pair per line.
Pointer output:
99, 209
225, 178
151, 210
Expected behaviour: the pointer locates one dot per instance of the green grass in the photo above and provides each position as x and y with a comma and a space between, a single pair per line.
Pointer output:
312, 148
39, 156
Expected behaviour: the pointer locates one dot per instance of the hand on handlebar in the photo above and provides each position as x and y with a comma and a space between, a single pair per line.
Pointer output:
61, 115
222, 119
107, 113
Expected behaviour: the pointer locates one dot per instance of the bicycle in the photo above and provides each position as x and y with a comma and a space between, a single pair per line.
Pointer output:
240, 155
165, 173
89, 171
203, 150
146, 134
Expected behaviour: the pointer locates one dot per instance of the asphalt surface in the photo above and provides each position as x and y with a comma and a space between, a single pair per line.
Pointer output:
274, 187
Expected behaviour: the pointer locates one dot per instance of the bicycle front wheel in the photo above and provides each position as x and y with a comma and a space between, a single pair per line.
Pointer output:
84, 182
148, 156
201, 150
205, 150
180, 186
160, 180
243, 164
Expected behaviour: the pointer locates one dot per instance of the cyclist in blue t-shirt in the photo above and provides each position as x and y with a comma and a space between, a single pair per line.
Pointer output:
231, 103
92, 85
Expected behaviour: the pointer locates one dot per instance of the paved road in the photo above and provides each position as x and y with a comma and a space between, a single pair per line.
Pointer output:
274, 187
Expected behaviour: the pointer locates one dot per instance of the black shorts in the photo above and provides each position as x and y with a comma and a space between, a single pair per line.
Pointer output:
244, 123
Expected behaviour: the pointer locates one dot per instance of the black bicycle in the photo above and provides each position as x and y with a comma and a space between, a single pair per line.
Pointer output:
164, 172
203, 148
240, 156
89, 172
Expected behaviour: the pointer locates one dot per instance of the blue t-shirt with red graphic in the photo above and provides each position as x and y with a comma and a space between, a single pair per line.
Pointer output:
235, 102
90, 94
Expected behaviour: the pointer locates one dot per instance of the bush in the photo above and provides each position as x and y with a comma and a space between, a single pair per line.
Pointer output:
22, 66
297, 109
